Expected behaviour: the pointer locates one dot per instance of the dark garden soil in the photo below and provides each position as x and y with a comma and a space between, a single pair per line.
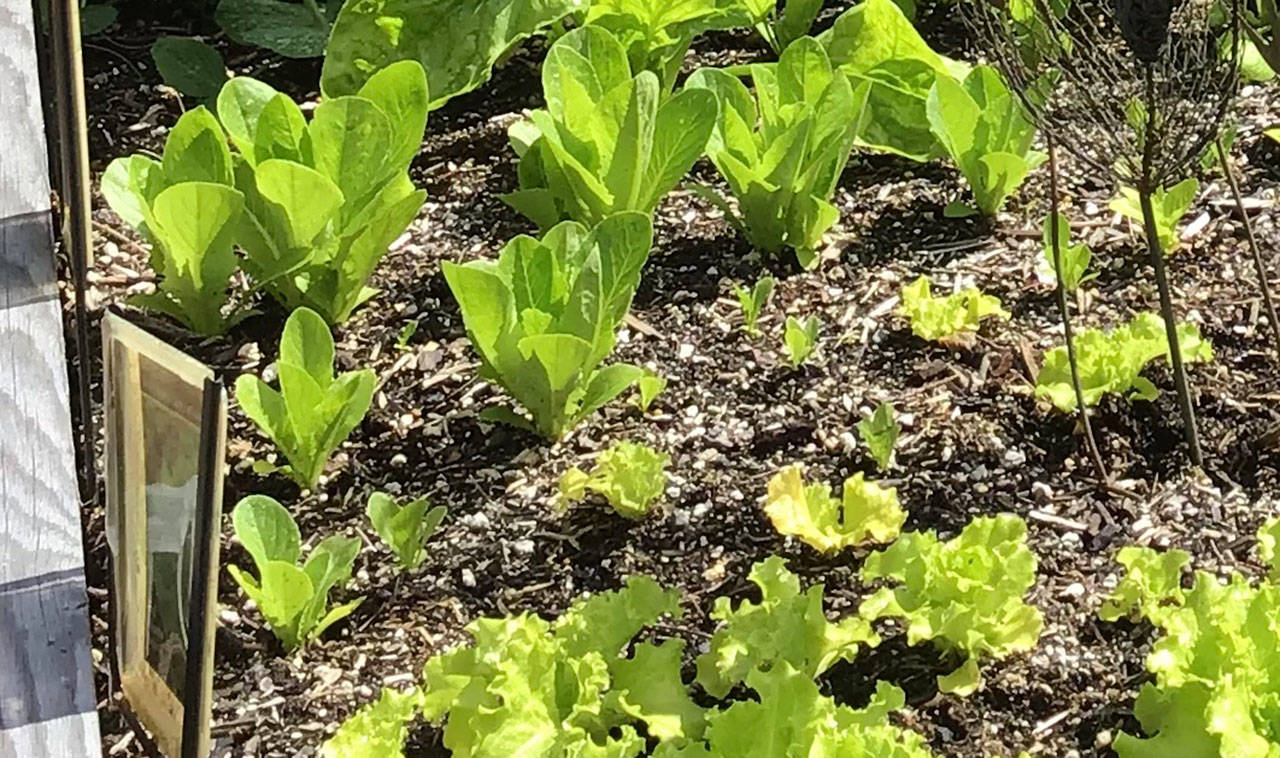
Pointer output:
975, 441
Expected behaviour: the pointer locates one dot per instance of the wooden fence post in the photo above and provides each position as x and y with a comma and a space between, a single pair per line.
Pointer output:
46, 676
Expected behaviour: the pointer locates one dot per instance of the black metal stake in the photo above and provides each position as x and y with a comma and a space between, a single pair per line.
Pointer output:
1064, 312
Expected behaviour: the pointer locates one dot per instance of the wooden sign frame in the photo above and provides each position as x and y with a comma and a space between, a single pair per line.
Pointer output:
165, 420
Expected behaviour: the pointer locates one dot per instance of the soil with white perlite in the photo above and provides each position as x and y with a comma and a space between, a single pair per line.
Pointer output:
975, 441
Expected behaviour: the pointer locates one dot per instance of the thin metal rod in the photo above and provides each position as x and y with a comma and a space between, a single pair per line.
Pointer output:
75, 205
1156, 251
1065, 313
1224, 157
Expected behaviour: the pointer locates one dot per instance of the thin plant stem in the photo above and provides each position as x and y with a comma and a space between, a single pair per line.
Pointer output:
1225, 158
1156, 250
1064, 312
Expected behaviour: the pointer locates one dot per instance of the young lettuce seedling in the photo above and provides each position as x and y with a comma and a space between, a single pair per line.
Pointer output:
800, 338
608, 141
292, 598
648, 387
1075, 258
867, 513
313, 412
951, 320
782, 149
325, 199
405, 529
187, 209
630, 476
544, 316
880, 433
753, 302
1170, 205
981, 125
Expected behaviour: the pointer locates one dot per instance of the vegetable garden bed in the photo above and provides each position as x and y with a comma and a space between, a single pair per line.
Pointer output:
975, 441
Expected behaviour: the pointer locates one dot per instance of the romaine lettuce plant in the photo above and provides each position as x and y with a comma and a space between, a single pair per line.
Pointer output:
965, 594
314, 411
607, 141
782, 149
187, 209
294, 599
875, 44
867, 513
981, 125
629, 476
1112, 361
753, 302
543, 317
457, 46
951, 320
1170, 205
325, 199
785, 626
1216, 665
799, 338
879, 433
406, 528
657, 33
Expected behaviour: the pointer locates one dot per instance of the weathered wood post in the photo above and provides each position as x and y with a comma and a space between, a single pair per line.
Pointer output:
46, 676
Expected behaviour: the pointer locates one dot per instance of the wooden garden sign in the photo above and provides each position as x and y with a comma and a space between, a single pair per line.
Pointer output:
166, 431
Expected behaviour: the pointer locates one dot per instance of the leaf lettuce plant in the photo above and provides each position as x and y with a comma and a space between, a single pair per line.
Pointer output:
405, 528
981, 125
867, 512
965, 594
1111, 362
630, 476
953, 319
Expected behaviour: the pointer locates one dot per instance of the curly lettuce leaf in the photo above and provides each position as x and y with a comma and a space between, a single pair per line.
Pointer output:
868, 512
1152, 581
378, 730
965, 594
953, 319
786, 625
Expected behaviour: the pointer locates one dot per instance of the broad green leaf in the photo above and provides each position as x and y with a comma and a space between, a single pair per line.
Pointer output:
189, 65
266, 530
457, 50
648, 687
308, 344
240, 104
196, 150
294, 30
406, 528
